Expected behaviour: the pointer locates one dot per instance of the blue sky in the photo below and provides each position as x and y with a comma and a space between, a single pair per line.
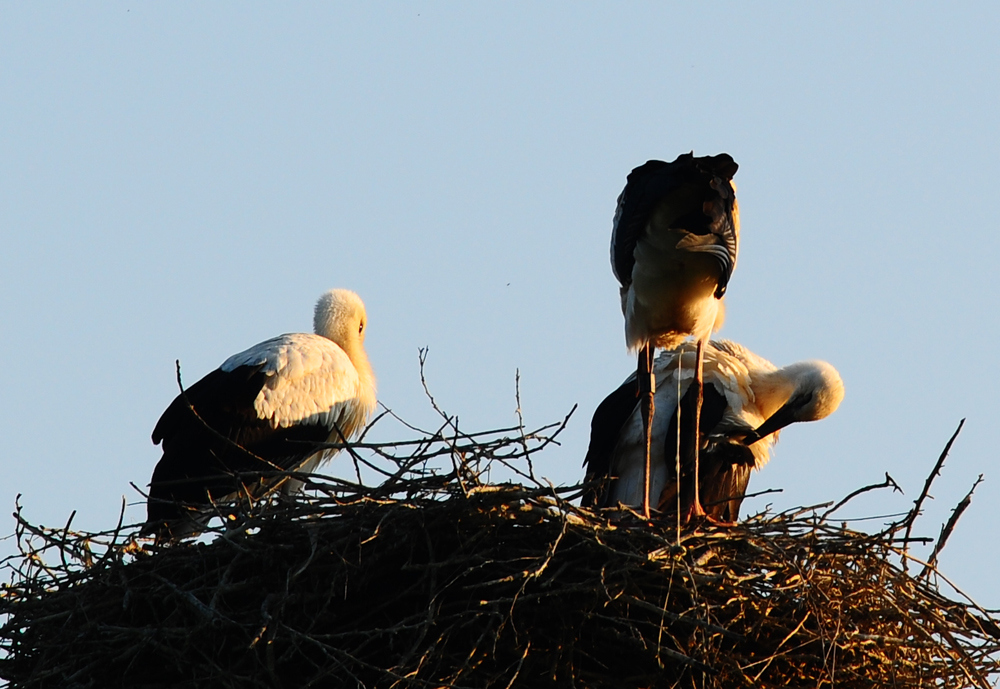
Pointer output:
182, 181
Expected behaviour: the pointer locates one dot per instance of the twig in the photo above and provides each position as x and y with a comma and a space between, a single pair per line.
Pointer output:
947, 528
520, 424
437, 577
888, 483
915, 512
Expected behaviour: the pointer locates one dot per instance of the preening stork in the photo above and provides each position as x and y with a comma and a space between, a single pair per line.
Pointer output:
747, 400
262, 411
673, 249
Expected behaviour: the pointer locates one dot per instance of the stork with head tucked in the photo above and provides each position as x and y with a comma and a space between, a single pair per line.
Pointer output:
747, 400
262, 411
673, 249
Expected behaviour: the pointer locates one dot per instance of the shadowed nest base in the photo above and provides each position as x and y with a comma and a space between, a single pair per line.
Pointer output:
438, 579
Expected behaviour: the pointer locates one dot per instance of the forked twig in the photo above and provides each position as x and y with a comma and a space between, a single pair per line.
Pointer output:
947, 528
915, 512
888, 483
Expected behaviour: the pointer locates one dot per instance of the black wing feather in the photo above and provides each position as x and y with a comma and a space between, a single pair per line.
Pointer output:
714, 406
702, 184
203, 448
635, 204
609, 420
724, 465
721, 465
725, 474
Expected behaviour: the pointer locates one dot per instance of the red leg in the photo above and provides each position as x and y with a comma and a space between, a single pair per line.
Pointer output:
696, 508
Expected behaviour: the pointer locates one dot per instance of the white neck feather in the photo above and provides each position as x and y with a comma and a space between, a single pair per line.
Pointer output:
340, 316
817, 380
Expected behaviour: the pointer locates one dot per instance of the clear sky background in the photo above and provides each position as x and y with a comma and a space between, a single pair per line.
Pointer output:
181, 181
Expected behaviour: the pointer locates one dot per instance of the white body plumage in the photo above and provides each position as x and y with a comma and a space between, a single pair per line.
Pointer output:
263, 409
730, 375
674, 243
750, 401
310, 381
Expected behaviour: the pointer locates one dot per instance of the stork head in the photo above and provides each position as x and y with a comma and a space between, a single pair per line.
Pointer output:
817, 390
340, 316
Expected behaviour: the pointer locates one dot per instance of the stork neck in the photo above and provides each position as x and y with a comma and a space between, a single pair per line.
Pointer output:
344, 336
356, 353
772, 389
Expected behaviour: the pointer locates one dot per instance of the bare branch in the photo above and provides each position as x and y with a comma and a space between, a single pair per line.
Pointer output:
948, 527
915, 512
888, 483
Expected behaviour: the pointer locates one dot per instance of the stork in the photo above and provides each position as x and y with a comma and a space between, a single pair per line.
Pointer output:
747, 401
262, 410
673, 249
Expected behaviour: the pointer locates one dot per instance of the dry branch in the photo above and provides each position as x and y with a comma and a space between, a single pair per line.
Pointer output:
436, 578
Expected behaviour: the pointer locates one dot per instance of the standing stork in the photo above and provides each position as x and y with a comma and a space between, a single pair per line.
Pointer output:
262, 410
673, 249
747, 400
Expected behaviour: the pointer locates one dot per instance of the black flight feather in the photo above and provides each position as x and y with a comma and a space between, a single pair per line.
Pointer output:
701, 186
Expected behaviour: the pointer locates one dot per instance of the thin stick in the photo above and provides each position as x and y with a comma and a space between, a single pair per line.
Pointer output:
647, 384
677, 455
696, 509
947, 528
875, 486
915, 512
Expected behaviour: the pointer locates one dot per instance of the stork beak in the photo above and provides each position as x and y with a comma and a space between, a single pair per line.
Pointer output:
778, 420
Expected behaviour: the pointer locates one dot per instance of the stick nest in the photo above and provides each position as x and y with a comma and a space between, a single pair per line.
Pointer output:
437, 578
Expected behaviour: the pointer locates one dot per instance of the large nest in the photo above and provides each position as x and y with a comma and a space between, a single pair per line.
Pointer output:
438, 578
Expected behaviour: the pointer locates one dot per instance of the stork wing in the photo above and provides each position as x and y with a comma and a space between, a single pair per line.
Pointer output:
310, 380
701, 200
635, 204
605, 428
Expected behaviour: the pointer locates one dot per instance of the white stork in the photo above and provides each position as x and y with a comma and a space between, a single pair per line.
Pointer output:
263, 410
673, 249
747, 400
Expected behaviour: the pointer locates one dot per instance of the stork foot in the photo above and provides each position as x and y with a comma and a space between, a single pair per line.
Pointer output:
694, 513
715, 521
704, 518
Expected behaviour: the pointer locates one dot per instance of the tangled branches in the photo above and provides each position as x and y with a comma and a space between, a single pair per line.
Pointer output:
436, 577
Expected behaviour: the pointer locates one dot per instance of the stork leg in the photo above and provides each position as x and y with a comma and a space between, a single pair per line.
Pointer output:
696, 508
647, 387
